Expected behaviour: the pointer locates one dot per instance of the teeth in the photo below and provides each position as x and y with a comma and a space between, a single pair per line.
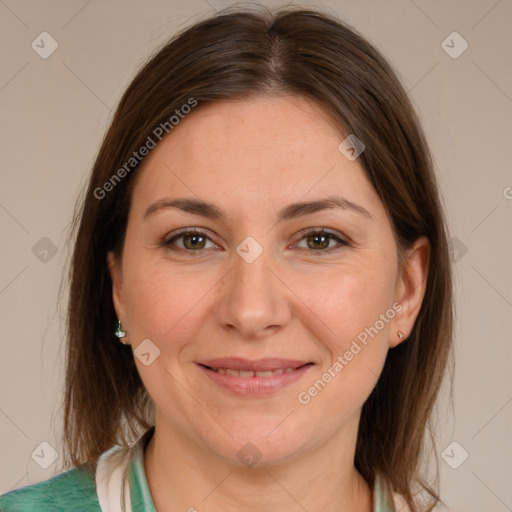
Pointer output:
245, 374
267, 373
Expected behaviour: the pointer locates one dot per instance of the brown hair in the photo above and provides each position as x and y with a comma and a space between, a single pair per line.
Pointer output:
235, 55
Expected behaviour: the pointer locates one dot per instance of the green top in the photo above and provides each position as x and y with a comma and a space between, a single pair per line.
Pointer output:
75, 490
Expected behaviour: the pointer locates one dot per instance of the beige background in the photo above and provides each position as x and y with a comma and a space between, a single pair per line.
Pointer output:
55, 112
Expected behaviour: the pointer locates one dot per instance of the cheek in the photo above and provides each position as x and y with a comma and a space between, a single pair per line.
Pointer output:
345, 313
166, 306
353, 339
346, 301
163, 301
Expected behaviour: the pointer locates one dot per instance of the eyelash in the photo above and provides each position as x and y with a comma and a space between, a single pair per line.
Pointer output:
167, 243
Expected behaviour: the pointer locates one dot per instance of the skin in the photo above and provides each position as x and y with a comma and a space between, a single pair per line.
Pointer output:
252, 158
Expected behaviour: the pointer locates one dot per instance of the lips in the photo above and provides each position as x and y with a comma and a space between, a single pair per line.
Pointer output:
245, 374
256, 377
260, 365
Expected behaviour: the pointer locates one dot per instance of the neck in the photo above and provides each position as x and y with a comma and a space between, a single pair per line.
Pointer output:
184, 476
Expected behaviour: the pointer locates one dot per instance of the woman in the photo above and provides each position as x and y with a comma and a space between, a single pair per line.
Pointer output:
260, 311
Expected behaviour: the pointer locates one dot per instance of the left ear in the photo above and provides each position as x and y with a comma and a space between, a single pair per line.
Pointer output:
410, 289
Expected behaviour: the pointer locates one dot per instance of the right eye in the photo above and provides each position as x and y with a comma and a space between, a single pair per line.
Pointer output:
192, 241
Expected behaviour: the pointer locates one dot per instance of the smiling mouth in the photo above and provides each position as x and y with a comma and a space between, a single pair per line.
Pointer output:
247, 374
254, 377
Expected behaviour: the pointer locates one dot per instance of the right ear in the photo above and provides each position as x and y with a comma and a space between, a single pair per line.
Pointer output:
116, 275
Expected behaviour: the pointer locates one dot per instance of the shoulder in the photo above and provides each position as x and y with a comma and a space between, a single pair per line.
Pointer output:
73, 490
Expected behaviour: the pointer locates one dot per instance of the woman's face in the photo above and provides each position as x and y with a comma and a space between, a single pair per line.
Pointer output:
259, 288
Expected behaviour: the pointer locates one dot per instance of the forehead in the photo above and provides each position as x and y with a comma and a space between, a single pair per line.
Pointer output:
262, 149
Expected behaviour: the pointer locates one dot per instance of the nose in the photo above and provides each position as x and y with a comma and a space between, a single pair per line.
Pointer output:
254, 301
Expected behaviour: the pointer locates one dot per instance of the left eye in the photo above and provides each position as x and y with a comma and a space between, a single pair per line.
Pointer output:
321, 240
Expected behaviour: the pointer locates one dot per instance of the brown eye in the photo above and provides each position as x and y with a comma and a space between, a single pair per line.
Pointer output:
321, 241
194, 241
318, 241
190, 240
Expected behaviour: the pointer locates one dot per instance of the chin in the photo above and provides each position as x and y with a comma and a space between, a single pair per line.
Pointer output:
258, 447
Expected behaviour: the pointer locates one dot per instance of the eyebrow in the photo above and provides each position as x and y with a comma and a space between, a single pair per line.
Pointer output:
292, 211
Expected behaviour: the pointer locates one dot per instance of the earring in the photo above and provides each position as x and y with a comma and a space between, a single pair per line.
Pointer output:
119, 332
400, 335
